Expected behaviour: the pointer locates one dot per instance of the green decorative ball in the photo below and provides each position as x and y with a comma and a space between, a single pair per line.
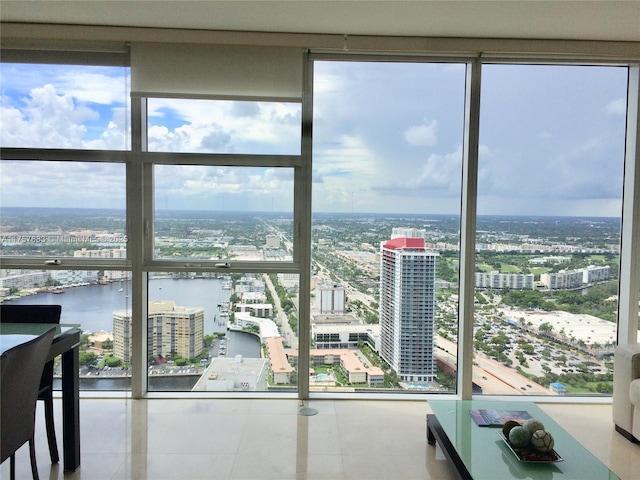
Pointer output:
519, 436
542, 441
533, 425
508, 425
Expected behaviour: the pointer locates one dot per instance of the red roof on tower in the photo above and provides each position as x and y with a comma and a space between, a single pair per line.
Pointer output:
402, 242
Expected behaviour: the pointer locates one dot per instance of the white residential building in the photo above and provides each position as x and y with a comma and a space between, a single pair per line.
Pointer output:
407, 308
330, 298
499, 281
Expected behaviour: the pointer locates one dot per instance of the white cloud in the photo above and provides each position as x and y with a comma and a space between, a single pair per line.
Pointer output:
616, 107
63, 184
425, 134
484, 150
93, 87
439, 176
442, 173
205, 187
349, 155
224, 126
343, 172
48, 118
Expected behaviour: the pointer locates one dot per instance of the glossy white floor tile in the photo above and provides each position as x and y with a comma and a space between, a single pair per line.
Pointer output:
267, 439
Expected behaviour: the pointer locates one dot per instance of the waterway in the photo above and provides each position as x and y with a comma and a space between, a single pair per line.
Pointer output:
92, 307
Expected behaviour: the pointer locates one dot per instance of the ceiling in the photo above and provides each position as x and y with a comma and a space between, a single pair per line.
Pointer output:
556, 19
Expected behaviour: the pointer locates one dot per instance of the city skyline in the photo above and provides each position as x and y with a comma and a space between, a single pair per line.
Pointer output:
353, 265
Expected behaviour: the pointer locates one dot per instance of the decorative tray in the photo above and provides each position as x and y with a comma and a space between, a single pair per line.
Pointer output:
530, 455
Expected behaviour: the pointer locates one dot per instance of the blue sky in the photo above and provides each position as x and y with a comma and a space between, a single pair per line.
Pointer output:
387, 138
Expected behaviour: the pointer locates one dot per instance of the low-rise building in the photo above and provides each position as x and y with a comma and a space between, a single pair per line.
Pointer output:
499, 281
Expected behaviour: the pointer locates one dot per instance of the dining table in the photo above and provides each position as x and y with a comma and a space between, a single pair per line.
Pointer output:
66, 342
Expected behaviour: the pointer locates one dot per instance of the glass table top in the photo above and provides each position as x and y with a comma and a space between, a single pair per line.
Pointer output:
13, 334
487, 457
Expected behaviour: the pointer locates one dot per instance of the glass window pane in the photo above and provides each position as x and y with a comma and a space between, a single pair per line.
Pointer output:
386, 202
224, 126
221, 333
214, 213
65, 106
63, 209
90, 299
549, 208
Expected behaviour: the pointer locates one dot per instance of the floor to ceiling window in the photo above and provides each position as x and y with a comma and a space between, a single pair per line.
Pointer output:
63, 200
301, 212
548, 228
223, 162
387, 166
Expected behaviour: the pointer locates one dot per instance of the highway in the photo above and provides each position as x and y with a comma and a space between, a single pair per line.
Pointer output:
492, 376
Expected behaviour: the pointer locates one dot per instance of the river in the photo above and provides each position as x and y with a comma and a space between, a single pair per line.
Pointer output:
92, 306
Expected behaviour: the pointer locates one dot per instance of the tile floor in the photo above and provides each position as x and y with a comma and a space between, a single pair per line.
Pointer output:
166, 439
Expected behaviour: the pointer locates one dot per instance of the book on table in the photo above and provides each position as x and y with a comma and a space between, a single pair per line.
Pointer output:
497, 418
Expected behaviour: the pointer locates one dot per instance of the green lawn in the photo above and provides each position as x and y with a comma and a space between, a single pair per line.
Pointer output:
483, 267
507, 268
582, 390
540, 270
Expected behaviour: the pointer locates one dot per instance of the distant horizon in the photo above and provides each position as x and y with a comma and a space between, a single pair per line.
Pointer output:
226, 212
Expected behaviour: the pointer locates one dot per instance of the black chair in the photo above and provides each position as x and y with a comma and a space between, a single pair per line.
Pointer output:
39, 314
20, 373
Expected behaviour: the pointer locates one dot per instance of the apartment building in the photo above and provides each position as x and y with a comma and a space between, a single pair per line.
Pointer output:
330, 299
173, 331
407, 308
497, 280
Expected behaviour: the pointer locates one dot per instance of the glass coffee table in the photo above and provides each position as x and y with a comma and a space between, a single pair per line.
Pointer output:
480, 453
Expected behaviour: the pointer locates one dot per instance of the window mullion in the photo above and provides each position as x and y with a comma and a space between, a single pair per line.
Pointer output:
137, 199
468, 228
302, 231
629, 286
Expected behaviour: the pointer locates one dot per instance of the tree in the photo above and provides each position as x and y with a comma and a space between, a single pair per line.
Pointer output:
604, 387
293, 322
87, 359
390, 378
545, 327
112, 361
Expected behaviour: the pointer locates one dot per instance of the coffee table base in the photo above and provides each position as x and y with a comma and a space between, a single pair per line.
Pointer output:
435, 433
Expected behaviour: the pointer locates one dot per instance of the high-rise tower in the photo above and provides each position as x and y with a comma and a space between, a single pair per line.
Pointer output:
407, 308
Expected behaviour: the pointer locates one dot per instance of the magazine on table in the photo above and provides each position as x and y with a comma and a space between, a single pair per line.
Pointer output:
497, 418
